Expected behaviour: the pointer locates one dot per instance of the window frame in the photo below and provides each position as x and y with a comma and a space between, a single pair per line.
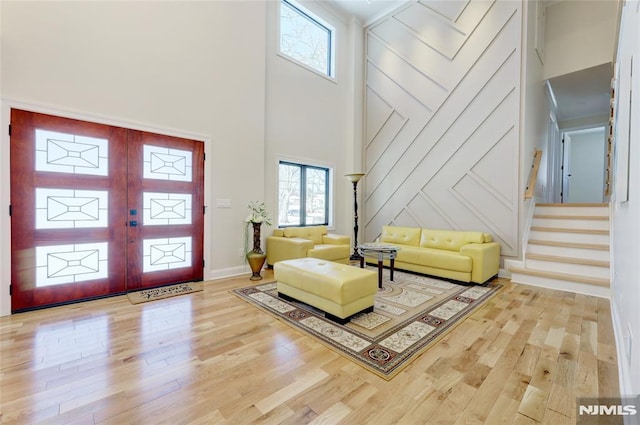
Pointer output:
328, 204
314, 19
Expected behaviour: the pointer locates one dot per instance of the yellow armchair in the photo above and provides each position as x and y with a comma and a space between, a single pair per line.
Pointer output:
311, 241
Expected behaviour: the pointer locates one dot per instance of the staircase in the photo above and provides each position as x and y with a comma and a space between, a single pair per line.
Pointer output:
568, 249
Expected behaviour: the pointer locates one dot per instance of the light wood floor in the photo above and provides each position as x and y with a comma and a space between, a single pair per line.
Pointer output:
212, 358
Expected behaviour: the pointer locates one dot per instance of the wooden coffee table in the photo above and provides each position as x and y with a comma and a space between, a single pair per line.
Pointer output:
381, 251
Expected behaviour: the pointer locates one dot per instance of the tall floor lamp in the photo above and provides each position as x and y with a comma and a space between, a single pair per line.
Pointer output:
355, 178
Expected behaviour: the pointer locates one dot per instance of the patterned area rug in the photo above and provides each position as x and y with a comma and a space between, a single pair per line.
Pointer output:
410, 314
137, 297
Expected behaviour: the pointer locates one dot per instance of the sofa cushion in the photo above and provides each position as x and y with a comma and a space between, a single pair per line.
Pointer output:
401, 235
433, 257
312, 233
451, 240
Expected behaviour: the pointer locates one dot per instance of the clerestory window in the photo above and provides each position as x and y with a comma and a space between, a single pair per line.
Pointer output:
306, 39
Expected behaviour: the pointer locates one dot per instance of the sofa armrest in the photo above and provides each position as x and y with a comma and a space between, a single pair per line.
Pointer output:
280, 248
485, 259
333, 239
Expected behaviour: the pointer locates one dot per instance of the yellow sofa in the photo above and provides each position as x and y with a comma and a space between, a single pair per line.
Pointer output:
312, 241
451, 254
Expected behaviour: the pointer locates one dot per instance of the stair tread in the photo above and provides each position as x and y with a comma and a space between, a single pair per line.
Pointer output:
596, 246
582, 204
570, 260
572, 217
561, 276
566, 230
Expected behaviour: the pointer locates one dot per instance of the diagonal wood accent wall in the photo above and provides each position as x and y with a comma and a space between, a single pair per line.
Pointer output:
442, 118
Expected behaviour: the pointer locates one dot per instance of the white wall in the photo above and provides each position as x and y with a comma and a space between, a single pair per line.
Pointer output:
5, 243
442, 124
536, 108
584, 122
578, 37
193, 68
625, 237
310, 117
175, 66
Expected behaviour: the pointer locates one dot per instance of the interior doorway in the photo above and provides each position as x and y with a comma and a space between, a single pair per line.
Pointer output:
583, 165
98, 210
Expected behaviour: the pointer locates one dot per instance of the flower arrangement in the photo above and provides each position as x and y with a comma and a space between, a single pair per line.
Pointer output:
258, 213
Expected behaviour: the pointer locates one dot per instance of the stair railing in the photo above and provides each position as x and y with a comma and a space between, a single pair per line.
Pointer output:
533, 176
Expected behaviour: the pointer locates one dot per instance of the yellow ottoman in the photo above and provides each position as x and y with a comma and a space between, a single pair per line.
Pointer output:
337, 289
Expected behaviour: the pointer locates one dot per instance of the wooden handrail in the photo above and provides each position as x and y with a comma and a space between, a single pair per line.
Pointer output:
531, 186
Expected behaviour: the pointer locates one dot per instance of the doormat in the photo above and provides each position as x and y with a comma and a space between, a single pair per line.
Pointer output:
410, 314
137, 297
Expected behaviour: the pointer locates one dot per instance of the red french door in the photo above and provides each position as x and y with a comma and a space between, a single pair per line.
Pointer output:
98, 210
165, 210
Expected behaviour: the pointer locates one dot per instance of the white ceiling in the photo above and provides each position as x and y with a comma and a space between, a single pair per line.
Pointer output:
365, 10
584, 93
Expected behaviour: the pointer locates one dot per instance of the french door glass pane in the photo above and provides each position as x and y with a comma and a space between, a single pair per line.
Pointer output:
166, 208
71, 209
166, 254
60, 264
68, 153
167, 164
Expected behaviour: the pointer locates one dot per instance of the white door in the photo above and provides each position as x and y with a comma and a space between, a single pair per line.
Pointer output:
583, 177
566, 167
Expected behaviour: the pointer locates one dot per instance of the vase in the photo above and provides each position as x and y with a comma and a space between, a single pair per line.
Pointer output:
256, 256
256, 237
256, 261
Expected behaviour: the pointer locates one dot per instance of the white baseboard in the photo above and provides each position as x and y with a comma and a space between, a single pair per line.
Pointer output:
561, 285
504, 273
624, 373
227, 272
508, 263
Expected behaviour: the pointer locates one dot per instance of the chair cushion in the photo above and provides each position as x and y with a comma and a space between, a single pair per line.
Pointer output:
329, 252
312, 233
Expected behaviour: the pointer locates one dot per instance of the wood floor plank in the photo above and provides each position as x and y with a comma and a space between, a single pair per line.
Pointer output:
562, 400
533, 403
503, 411
554, 418
212, 358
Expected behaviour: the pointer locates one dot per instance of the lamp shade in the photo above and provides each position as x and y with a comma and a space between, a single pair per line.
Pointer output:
354, 177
